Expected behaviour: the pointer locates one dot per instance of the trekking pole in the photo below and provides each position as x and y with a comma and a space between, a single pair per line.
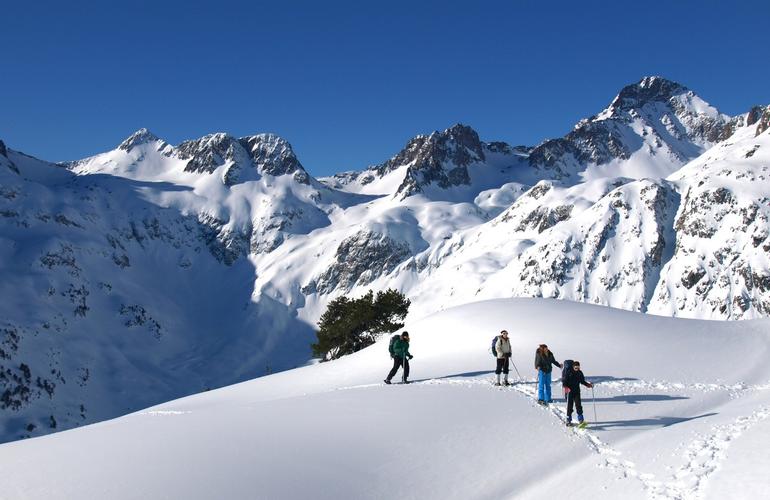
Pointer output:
514, 367
593, 400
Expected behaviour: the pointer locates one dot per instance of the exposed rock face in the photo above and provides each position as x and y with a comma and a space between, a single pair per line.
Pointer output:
4, 160
441, 158
754, 115
267, 154
612, 253
763, 121
720, 262
274, 156
360, 259
649, 89
211, 152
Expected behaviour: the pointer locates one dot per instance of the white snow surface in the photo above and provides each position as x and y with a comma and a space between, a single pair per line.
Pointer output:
681, 410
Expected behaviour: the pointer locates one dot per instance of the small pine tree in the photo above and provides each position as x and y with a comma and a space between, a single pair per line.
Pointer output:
349, 325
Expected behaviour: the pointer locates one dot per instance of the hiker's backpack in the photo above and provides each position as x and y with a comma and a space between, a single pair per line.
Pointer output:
392, 344
566, 370
494, 345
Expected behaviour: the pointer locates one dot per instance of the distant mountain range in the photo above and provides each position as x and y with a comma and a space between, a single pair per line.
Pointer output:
154, 271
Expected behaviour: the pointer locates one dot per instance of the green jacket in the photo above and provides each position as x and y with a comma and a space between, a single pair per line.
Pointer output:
401, 348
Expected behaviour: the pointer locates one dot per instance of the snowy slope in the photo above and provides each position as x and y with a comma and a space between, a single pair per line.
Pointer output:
681, 406
722, 262
111, 302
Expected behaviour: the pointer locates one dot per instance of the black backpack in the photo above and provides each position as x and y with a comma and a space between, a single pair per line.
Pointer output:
494, 344
566, 370
392, 344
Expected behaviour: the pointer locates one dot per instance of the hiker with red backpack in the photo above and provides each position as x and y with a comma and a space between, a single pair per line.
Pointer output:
503, 352
543, 361
571, 379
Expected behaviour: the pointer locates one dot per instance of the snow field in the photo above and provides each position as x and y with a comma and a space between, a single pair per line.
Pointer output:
674, 399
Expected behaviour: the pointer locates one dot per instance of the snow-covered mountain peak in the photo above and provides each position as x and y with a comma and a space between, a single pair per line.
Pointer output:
262, 153
650, 129
654, 97
435, 162
141, 136
647, 90
273, 155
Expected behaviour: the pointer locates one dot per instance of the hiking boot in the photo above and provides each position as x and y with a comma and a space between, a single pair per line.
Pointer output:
506, 383
404, 381
541, 402
387, 381
580, 419
497, 384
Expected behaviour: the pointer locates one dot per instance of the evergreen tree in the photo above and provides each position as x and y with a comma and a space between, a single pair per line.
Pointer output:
349, 325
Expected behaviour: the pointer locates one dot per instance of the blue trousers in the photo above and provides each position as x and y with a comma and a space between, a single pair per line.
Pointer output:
544, 386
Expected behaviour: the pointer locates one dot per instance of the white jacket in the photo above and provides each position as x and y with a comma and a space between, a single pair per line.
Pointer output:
502, 347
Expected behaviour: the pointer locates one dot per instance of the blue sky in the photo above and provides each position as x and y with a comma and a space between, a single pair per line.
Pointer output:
348, 83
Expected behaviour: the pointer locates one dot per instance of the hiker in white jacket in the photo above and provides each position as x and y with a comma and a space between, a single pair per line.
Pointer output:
503, 350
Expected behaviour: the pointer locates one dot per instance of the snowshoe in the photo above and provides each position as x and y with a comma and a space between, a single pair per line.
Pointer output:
506, 383
497, 384
387, 381
582, 425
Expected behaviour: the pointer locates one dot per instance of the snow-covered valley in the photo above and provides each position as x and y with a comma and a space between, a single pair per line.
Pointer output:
154, 271
681, 407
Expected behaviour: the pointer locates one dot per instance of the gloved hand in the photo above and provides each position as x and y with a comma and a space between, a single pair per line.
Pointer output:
589, 384
507, 354
410, 356
566, 390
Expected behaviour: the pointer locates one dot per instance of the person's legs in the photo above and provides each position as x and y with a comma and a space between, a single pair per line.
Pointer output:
396, 366
570, 402
578, 406
499, 366
406, 370
505, 370
547, 386
540, 385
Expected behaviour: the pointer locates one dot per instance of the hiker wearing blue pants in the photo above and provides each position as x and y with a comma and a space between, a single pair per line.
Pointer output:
543, 364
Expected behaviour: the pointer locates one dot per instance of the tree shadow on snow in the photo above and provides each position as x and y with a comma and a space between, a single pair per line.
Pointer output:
645, 422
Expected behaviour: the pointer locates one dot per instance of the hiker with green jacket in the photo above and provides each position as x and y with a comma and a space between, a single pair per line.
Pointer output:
401, 357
